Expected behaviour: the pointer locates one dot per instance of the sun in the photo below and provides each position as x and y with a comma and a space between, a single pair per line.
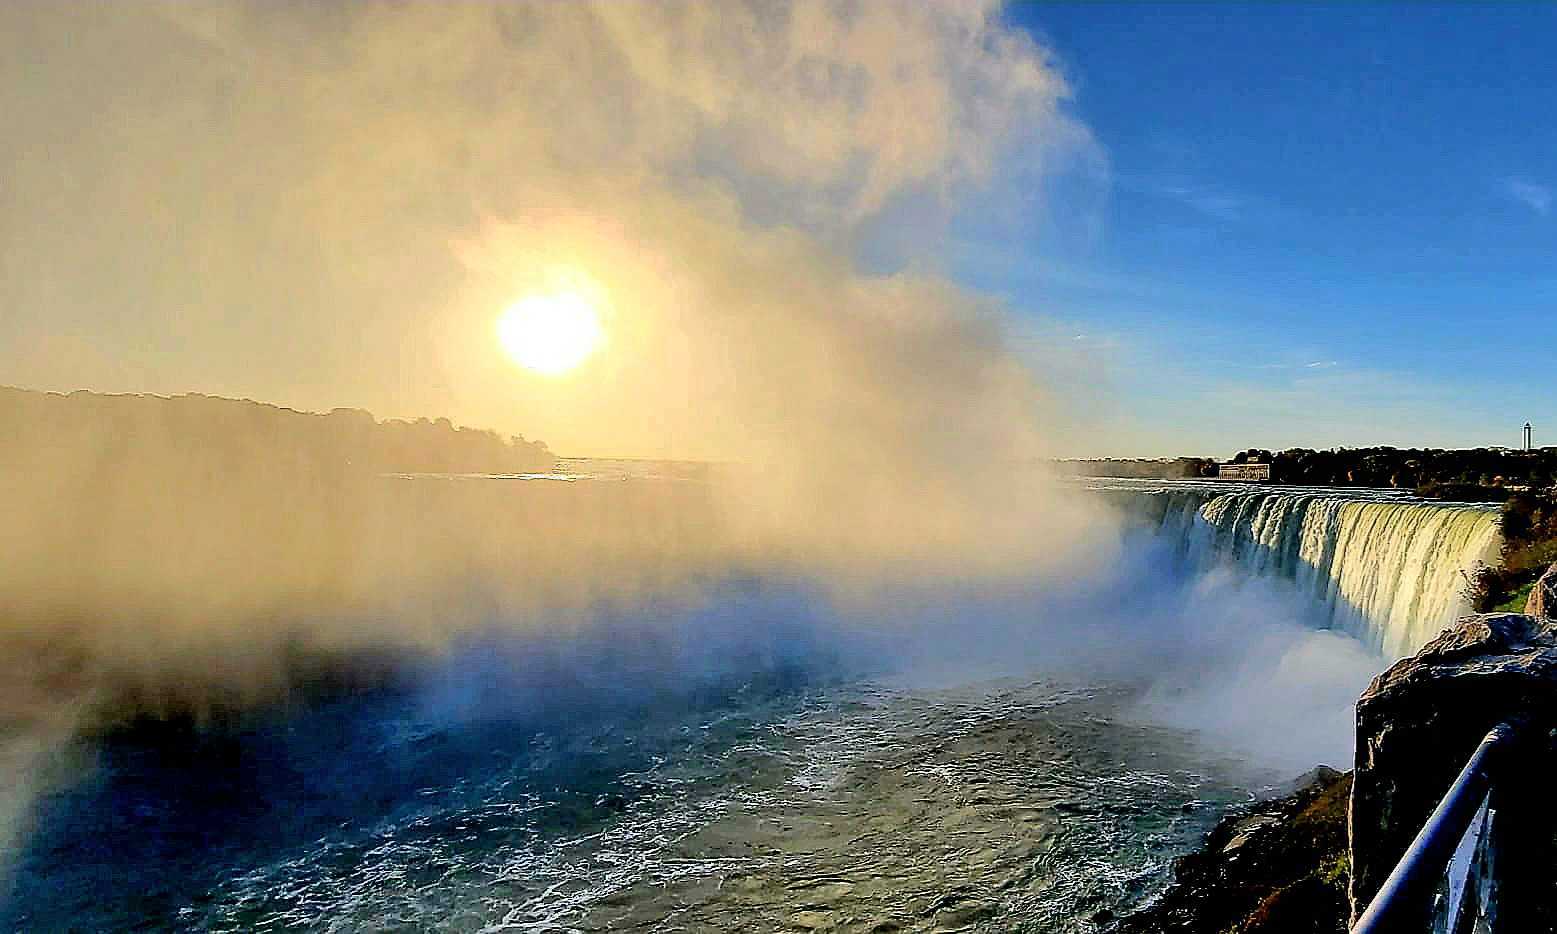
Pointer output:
550, 333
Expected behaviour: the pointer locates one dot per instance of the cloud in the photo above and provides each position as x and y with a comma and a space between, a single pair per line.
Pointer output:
1533, 195
1214, 204
1209, 201
259, 199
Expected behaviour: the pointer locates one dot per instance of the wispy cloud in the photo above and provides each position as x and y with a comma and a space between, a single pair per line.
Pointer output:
1182, 189
1215, 204
1314, 365
1533, 195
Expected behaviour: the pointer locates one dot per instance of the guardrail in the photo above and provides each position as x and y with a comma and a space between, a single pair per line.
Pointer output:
1450, 880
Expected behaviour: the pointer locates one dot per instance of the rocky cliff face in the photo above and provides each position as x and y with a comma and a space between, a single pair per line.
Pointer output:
1279, 868
1419, 722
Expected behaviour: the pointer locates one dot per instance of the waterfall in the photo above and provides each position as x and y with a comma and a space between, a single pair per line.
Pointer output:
1388, 568
1391, 572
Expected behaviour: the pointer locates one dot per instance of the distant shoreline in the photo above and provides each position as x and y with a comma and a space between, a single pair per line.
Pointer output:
1484, 474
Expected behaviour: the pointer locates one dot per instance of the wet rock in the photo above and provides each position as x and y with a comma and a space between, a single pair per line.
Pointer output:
1543, 596
1249, 828
1319, 776
1419, 722
1276, 869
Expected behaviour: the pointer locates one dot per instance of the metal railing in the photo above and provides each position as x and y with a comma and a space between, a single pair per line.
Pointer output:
1447, 881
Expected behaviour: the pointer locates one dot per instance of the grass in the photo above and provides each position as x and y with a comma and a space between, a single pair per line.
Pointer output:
1516, 600
1515, 603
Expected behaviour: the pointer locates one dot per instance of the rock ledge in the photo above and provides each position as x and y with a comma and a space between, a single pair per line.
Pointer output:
1419, 722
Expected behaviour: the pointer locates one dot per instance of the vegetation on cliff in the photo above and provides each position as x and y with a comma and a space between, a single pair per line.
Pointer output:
1529, 526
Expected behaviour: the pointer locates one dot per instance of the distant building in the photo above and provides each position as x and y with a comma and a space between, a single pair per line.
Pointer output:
1257, 472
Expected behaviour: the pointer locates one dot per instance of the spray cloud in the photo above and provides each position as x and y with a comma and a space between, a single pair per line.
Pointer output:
324, 205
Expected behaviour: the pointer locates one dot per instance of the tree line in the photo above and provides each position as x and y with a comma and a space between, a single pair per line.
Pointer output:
1467, 473
42, 428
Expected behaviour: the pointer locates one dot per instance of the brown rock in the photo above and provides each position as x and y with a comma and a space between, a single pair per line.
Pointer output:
1278, 869
1543, 596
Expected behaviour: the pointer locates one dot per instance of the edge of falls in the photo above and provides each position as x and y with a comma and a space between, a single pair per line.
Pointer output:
1390, 569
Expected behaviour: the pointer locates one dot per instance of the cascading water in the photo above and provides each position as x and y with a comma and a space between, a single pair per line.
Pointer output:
1394, 573
1388, 568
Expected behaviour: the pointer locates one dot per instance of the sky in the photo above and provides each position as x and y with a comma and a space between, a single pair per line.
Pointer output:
1199, 228
1312, 225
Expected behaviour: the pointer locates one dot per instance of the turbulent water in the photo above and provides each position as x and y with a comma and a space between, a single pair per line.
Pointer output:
998, 807
761, 764
1389, 568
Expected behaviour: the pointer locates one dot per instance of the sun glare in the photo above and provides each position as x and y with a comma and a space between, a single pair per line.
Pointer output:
550, 334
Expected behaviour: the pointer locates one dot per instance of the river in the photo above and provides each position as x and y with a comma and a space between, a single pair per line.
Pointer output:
767, 758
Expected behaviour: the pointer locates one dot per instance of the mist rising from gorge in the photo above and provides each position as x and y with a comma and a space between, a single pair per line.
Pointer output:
330, 205
212, 562
323, 205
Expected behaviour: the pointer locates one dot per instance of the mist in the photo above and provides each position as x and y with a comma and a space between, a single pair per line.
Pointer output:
328, 205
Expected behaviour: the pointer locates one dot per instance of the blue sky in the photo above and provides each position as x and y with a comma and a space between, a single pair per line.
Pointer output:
1313, 225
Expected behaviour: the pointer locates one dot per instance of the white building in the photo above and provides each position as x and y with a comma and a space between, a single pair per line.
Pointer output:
1256, 472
